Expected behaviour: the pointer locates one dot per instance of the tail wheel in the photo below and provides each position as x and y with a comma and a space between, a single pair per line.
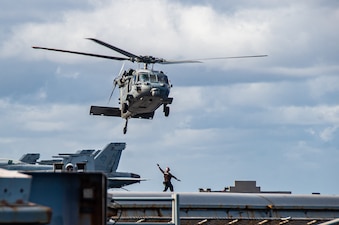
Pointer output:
166, 111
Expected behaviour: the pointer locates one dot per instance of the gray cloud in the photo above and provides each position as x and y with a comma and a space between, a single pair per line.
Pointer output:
255, 119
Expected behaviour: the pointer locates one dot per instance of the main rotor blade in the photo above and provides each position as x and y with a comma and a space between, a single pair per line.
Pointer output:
82, 53
199, 60
233, 57
131, 55
178, 61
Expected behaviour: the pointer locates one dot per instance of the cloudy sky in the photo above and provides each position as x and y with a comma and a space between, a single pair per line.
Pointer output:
274, 120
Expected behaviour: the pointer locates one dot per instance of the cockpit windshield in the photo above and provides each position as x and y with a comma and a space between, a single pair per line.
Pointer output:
156, 77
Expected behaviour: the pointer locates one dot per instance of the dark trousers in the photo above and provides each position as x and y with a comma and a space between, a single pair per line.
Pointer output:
169, 185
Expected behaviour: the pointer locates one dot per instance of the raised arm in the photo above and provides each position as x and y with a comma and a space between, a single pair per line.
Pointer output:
160, 168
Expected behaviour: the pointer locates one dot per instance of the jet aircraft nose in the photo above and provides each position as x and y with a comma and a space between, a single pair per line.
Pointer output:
135, 175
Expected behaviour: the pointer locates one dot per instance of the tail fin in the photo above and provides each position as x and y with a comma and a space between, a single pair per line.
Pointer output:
30, 158
108, 159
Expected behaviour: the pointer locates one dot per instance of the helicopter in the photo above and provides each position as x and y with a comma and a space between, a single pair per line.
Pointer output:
142, 90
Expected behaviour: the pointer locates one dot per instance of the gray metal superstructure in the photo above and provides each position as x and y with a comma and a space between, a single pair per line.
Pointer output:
15, 205
225, 208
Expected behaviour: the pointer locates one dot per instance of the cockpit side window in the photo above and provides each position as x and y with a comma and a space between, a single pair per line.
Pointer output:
143, 77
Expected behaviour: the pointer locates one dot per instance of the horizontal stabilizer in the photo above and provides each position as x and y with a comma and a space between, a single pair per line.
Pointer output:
119, 182
126, 179
105, 111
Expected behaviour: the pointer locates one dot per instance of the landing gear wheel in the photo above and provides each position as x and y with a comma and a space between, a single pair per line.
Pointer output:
166, 110
129, 97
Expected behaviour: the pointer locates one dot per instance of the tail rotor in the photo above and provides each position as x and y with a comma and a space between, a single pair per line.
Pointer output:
115, 82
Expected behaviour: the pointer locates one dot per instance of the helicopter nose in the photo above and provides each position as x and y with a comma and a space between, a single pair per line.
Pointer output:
155, 92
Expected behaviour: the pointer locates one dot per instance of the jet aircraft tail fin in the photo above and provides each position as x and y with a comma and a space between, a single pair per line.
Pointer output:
30, 158
107, 160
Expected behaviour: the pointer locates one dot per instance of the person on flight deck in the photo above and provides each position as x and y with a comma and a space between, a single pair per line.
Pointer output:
167, 178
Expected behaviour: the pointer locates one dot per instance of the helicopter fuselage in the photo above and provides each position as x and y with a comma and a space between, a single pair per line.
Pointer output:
142, 92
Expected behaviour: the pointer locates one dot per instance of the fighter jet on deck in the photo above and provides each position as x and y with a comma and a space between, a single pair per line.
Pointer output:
106, 161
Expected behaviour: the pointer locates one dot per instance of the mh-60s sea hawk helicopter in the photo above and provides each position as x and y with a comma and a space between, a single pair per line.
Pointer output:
142, 91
